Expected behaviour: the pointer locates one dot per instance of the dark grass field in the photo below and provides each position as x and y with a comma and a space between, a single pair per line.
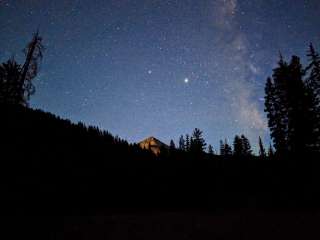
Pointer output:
238, 224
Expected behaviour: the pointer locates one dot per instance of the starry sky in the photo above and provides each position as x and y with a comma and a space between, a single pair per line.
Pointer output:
140, 68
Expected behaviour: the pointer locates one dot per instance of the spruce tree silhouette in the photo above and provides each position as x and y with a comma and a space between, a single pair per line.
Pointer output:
225, 148
246, 146
275, 105
210, 150
187, 146
182, 144
237, 146
262, 150
313, 87
172, 145
11, 89
222, 150
197, 144
241, 146
16, 85
288, 106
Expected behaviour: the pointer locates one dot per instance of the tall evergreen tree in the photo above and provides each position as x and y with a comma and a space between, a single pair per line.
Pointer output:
270, 152
300, 119
246, 146
187, 147
262, 150
275, 119
198, 144
16, 85
227, 148
222, 150
182, 143
210, 150
11, 90
313, 87
172, 145
237, 146
287, 106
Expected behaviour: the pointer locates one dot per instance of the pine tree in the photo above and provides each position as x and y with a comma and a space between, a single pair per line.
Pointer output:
272, 107
187, 147
237, 146
16, 85
275, 105
246, 146
197, 144
182, 146
172, 145
227, 148
222, 149
262, 151
210, 150
270, 152
287, 106
11, 90
300, 125
313, 87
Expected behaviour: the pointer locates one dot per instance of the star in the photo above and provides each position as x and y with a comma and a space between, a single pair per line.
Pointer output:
186, 80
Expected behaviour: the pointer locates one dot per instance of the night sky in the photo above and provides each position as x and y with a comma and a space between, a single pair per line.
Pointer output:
140, 68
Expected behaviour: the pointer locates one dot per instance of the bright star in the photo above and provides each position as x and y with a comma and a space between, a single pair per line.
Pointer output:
186, 80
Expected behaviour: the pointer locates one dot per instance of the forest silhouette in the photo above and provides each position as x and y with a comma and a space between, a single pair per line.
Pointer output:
51, 166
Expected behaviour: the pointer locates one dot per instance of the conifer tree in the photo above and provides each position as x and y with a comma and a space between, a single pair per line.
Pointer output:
276, 105
16, 85
11, 91
313, 86
262, 151
197, 144
227, 148
287, 105
210, 150
182, 146
172, 145
237, 146
187, 147
246, 146
270, 152
222, 150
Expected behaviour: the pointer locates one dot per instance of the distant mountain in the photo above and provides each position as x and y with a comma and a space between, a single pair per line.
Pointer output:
153, 144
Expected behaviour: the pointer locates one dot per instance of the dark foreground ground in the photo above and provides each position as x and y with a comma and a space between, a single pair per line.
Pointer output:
239, 224
60, 180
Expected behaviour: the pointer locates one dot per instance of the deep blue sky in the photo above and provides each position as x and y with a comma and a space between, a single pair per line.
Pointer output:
160, 67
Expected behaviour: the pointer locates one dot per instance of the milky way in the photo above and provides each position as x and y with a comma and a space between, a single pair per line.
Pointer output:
140, 67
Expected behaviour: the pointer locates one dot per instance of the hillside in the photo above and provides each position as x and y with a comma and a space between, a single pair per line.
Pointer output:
52, 167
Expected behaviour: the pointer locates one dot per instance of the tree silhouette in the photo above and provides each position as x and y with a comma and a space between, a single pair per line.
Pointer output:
172, 145
262, 150
222, 150
182, 143
237, 146
16, 81
288, 106
11, 89
270, 152
246, 146
210, 150
274, 115
313, 86
197, 144
187, 146
241, 146
225, 148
